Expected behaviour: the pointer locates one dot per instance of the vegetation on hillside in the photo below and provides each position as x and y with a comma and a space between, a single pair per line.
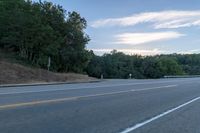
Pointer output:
35, 31
19, 74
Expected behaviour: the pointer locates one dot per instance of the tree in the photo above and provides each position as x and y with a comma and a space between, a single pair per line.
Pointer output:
169, 66
36, 31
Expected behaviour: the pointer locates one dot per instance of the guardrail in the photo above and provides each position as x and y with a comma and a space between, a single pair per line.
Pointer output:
181, 76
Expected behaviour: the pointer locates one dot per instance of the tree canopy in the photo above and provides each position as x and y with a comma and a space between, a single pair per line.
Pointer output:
39, 30
119, 65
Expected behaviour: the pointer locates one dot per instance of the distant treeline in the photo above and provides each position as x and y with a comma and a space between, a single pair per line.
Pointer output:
35, 31
119, 65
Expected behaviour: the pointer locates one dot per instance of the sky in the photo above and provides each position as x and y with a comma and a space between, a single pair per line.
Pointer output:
145, 27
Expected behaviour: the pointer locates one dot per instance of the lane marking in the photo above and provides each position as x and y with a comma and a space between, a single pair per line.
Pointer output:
35, 103
64, 89
101, 86
145, 89
77, 97
139, 125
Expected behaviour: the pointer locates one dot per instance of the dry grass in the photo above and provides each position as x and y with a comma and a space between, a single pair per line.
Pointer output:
12, 73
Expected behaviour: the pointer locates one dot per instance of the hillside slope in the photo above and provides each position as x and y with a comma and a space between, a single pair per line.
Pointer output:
12, 73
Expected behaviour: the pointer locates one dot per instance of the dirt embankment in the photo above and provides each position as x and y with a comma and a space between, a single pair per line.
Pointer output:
12, 73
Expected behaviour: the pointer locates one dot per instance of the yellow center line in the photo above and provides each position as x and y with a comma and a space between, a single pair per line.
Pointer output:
75, 98
36, 103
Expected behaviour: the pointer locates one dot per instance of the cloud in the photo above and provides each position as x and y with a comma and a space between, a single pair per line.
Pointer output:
162, 19
145, 52
141, 38
130, 51
193, 51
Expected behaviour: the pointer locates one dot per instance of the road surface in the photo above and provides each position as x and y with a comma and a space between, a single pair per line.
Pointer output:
111, 106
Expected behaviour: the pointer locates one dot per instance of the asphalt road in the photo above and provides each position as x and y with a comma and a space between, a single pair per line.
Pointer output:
112, 106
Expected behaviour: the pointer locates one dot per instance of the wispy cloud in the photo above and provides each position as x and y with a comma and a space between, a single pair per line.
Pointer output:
193, 51
141, 38
163, 19
130, 51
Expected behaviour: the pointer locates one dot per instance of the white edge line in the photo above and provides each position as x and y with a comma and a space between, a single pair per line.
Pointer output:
24, 92
130, 129
145, 89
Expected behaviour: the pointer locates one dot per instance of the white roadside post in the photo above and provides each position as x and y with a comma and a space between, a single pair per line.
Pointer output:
49, 63
130, 76
101, 76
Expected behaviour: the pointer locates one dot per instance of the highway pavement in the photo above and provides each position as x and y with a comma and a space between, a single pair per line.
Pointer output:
110, 106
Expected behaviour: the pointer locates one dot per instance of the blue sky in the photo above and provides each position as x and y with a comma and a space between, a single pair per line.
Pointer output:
144, 27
